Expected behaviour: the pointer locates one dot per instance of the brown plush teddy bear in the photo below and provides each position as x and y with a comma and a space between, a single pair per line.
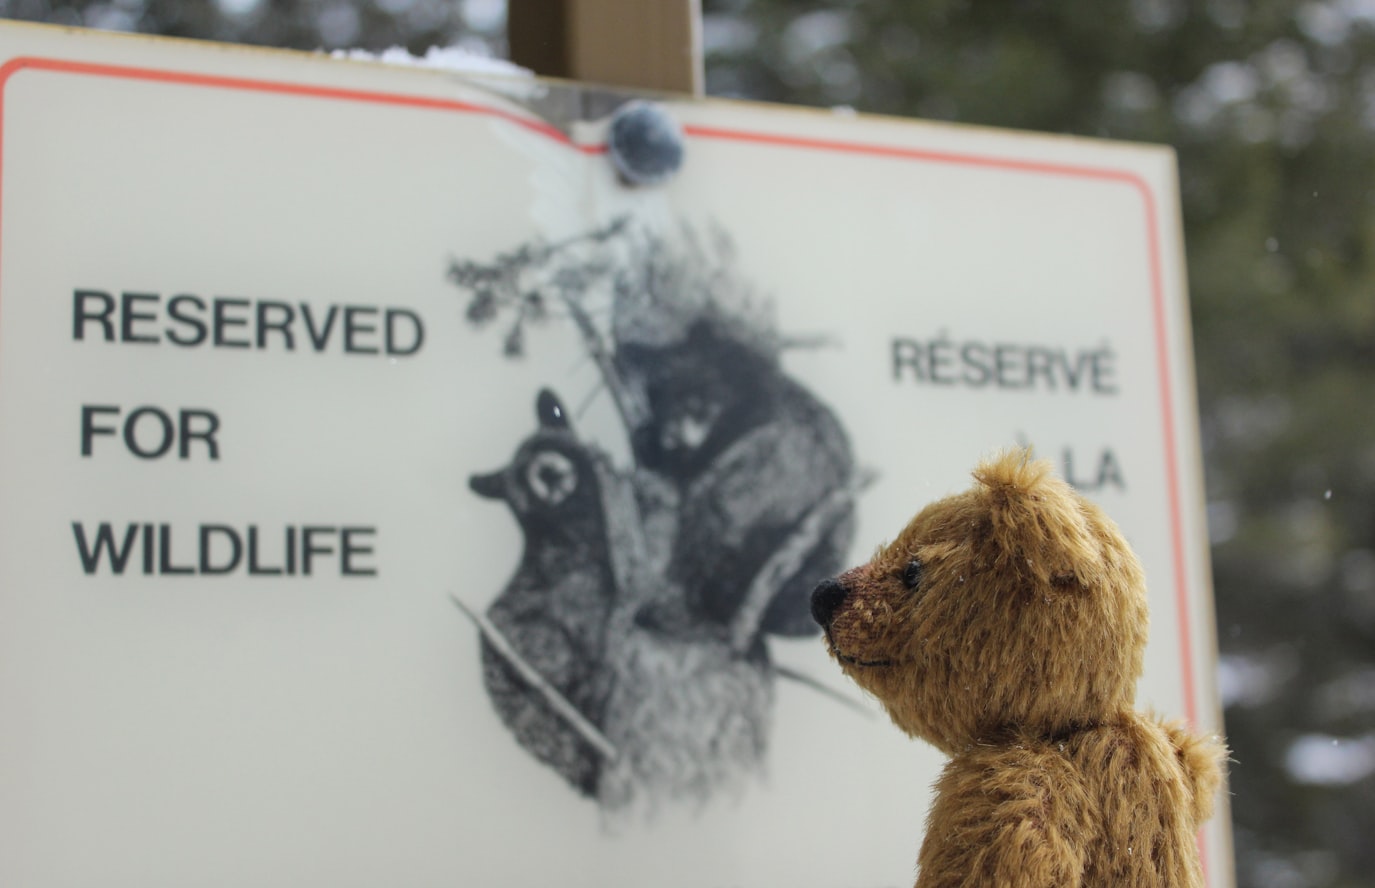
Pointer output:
1005, 625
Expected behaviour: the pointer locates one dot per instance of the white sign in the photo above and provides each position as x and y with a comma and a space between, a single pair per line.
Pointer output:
391, 495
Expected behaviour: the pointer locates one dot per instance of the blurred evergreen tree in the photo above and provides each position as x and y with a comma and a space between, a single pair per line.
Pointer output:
1271, 106
477, 25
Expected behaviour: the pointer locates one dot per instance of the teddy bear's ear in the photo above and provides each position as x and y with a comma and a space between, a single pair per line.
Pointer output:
1038, 523
1013, 473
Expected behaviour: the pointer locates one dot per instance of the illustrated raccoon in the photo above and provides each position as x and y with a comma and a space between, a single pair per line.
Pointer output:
751, 453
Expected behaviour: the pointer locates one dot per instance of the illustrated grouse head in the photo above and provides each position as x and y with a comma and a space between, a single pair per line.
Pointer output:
550, 483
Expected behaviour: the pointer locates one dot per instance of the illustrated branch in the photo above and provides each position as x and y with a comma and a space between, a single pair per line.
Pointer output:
557, 701
520, 282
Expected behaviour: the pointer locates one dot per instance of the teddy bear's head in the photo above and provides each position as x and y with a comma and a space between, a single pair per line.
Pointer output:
1015, 607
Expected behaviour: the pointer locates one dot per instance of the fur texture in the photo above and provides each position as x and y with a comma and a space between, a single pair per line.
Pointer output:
1006, 626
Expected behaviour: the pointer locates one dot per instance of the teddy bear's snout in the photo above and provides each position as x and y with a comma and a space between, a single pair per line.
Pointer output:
826, 599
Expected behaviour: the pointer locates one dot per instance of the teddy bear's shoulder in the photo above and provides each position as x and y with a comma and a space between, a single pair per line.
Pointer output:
1009, 814
1116, 803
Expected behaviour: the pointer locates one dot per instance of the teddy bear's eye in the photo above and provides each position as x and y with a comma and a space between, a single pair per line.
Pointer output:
911, 575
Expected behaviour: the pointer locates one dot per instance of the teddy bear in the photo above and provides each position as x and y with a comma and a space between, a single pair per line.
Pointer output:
1006, 626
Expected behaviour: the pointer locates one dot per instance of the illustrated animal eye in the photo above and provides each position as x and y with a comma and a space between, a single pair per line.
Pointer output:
911, 575
551, 476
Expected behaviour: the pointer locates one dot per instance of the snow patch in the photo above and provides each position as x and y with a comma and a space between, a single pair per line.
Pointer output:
1320, 760
442, 58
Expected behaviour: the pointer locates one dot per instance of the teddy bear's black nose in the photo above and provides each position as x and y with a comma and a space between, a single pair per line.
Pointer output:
826, 597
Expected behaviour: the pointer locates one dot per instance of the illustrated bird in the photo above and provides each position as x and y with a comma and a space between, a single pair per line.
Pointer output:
553, 612
628, 711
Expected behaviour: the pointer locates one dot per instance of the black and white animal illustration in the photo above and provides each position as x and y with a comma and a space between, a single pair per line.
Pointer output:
750, 453
554, 611
658, 712
630, 650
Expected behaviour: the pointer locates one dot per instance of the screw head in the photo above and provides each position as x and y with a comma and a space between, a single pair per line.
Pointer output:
645, 143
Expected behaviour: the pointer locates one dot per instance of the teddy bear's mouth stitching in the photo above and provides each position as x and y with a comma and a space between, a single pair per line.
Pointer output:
856, 661
851, 660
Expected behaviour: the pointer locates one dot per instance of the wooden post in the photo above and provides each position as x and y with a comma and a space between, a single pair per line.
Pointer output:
641, 44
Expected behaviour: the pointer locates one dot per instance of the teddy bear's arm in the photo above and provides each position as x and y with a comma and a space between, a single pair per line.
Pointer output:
1007, 818
1202, 760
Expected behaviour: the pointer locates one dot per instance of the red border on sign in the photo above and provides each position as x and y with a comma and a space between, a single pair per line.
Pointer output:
1012, 165
1121, 177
